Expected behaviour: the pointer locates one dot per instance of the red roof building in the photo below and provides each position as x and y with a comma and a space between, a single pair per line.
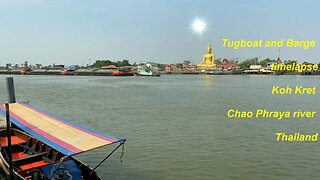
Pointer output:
109, 67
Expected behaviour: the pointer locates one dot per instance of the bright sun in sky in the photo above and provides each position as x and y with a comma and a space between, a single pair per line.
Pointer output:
199, 26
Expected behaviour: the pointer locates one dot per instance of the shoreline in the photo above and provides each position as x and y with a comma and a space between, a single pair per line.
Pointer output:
111, 72
207, 74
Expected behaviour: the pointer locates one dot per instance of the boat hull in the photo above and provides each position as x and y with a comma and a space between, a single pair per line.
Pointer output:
149, 75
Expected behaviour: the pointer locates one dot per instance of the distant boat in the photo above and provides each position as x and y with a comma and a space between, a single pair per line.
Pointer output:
43, 146
216, 72
68, 72
145, 71
122, 72
25, 71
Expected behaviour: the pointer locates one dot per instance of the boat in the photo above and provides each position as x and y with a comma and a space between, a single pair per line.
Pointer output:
122, 72
146, 71
43, 145
25, 71
68, 72
215, 72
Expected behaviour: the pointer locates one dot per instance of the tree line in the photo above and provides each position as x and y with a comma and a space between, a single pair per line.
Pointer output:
100, 63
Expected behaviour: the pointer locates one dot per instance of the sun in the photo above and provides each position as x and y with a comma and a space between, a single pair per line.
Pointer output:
199, 26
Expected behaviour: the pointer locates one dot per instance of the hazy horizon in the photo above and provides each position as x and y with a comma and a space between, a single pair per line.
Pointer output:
72, 32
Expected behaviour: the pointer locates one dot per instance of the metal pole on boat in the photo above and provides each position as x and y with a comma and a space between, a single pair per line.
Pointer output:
9, 140
10, 89
121, 144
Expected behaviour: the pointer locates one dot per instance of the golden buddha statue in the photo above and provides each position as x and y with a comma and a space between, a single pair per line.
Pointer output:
208, 59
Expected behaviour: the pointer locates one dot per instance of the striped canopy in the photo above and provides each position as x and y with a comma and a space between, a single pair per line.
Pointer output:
64, 136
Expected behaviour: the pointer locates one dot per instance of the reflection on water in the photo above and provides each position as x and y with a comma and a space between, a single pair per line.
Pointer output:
177, 127
207, 80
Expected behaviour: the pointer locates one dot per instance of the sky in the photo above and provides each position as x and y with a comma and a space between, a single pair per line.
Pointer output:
81, 31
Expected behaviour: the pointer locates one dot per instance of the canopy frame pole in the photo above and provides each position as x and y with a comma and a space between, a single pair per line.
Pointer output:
54, 172
9, 139
10, 90
114, 150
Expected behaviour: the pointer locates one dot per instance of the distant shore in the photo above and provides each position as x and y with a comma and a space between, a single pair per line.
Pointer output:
110, 72
105, 72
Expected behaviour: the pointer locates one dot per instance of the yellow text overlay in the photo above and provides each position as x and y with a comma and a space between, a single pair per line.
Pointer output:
289, 43
264, 113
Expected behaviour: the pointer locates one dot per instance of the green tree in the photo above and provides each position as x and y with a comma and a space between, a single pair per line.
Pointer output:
291, 62
100, 63
265, 62
186, 62
125, 62
232, 61
246, 64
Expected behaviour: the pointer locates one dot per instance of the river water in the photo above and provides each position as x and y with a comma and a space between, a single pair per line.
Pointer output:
177, 127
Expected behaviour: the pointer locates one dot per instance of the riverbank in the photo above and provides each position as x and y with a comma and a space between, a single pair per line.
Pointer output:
107, 72
88, 72
111, 72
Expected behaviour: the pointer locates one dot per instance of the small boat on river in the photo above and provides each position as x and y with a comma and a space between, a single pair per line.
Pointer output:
25, 71
68, 72
122, 72
43, 145
146, 71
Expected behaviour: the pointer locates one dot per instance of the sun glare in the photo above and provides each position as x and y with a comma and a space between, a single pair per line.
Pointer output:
199, 26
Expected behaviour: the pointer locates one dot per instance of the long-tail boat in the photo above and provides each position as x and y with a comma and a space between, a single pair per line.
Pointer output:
43, 145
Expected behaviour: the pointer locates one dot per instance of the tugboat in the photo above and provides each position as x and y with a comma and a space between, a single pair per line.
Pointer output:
146, 71
68, 72
71, 70
122, 72
25, 71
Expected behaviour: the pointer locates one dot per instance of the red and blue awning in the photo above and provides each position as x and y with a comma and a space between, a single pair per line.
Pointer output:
66, 137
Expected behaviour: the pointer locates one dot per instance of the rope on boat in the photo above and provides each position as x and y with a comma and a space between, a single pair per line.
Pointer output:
122, 153
61, 161
121, 144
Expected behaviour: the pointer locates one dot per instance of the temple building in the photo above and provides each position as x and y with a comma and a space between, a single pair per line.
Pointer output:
279, 61
208, 60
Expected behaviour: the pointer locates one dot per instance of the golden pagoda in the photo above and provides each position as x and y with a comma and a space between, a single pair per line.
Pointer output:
208, 59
